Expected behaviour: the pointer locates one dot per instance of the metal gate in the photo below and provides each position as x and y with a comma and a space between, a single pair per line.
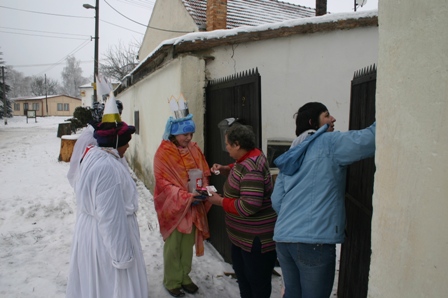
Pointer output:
237, 96
356, 250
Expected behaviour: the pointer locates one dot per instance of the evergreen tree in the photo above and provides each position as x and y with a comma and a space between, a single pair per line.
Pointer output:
4, 89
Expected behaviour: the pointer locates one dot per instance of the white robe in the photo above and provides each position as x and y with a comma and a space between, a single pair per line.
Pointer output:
106, 257
84, 140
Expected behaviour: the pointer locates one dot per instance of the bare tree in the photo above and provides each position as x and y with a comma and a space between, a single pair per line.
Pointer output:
20, 84
42, 86
72, 77
119, 60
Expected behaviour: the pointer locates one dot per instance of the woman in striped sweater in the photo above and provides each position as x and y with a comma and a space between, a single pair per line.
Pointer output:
250, 219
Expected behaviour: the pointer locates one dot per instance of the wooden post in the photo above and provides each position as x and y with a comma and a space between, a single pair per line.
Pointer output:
67, 145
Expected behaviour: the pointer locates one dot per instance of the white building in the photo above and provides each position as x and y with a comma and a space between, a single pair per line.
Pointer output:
86, 92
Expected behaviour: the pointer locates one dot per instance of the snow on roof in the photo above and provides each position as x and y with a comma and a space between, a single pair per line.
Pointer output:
41, 97
329, 18
222, 34
89, 85
250, 12
201, 40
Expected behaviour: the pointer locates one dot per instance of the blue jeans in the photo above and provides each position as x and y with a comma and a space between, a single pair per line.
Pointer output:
308, 269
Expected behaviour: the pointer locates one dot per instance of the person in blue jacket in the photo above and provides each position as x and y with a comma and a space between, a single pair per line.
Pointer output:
309, 196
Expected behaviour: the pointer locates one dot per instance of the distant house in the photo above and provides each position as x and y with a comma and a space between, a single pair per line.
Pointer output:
51, 105
86, 92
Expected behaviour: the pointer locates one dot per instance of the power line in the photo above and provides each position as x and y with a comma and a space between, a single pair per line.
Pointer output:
143, 1
1, 6
166, 30
46, 13
59, 62
60, 32
121, 27
77, 49
46, 64
124, 15
37, 35
136, 4
86, 42
11, 28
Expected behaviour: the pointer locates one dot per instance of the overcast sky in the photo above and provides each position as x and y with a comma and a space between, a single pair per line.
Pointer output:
37, 35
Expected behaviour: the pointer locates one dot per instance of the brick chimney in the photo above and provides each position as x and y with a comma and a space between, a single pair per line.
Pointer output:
216, 14
321, 7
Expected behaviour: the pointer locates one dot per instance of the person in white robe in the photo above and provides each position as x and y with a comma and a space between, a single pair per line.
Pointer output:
106, 257
84, 140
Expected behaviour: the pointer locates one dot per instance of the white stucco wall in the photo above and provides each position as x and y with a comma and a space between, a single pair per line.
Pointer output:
410, 201
169, 19
150, 97
298, 69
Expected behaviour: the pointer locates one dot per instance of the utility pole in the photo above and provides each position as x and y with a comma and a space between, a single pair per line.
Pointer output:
46, 95
97, 37
5, 107
95, 65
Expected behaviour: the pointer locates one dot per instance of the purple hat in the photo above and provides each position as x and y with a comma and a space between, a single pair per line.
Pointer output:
113, 135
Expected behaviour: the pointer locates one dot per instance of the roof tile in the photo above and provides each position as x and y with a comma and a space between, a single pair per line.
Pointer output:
250, 12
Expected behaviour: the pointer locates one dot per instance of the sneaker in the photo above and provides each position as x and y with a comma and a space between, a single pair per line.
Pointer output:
191, 288
177, 292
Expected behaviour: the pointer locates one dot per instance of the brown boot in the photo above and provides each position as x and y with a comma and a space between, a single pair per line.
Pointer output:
177, 292
191, 288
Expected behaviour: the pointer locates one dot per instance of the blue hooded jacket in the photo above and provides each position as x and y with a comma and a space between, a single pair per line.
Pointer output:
309, 191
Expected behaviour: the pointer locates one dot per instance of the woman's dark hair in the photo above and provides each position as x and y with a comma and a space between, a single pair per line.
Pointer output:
172, 138
241, 135
308, 116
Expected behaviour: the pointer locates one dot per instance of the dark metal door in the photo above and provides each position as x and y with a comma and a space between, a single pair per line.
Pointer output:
356, 250
233, 97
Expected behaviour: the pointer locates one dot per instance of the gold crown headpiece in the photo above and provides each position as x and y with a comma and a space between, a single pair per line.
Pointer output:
179, 106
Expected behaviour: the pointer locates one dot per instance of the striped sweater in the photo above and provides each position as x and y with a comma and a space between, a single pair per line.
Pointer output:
249, 184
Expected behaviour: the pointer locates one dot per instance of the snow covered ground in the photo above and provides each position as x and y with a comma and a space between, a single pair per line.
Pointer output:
37, 216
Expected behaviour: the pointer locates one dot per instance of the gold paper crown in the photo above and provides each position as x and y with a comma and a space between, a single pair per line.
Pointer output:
111, 113
179, 106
